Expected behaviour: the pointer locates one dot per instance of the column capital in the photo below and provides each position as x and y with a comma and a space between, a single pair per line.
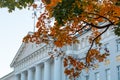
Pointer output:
38, 65
23, 72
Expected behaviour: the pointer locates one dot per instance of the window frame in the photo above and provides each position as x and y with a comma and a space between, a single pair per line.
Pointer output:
118, 44
118, 72
97, 76
108, 76
87, 77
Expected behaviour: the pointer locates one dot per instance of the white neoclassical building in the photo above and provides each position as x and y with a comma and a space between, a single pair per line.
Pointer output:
32, 61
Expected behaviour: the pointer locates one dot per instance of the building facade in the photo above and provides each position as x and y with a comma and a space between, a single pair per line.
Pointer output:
32, 61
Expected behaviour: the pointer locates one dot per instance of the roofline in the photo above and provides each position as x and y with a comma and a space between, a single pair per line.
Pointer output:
9, 74
18, 52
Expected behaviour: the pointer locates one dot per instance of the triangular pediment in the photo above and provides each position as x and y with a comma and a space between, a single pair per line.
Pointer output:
18, 54
25, 50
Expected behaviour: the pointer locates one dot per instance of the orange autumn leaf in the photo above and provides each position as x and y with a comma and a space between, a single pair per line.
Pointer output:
65, 62
51, 3
85, 17
67, 72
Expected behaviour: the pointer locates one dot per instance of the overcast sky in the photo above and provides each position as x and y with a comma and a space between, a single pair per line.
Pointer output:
13, 27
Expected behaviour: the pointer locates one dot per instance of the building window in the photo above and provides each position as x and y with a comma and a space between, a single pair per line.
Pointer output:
75, 46
82, 43
87, 77
118, 71
97, 76
107, 74
118, 44
106, 46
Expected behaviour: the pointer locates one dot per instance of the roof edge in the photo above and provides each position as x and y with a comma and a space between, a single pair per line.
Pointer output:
17, 54
7, 75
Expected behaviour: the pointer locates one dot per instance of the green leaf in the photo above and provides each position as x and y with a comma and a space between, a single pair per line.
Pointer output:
117, 3
11, 4
117, 29
66, 10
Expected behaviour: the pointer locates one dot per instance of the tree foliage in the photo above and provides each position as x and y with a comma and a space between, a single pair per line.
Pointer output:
70, 18
12, 4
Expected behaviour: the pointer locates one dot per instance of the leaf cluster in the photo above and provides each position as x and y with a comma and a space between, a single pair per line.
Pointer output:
117, 29
66, 10
73, 17
12, 4
117, 3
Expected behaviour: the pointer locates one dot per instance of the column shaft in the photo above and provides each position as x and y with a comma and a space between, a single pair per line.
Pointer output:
16, 77
30, 74
57, 69
38, 73
23, 76
47, 70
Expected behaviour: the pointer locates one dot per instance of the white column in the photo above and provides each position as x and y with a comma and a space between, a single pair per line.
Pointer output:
16, 77
57, 68
63, 68
30, 74
46, 70
38, 73
23, 76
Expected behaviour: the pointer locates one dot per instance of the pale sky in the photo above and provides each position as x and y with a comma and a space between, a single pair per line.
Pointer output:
13, 27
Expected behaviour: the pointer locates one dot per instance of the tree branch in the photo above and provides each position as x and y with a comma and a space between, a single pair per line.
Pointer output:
101, 17
99, 27
79, 29
93, 43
